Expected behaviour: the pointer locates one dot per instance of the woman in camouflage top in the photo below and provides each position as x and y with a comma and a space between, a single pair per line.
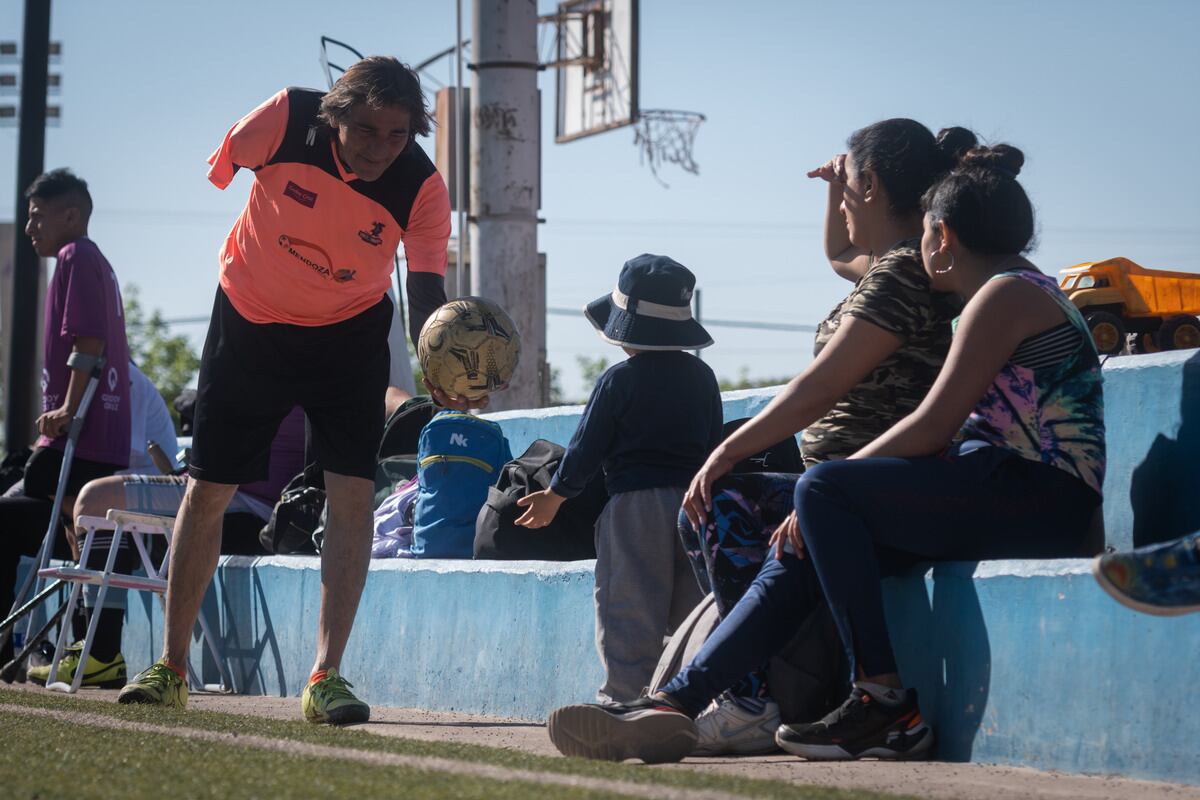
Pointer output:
876, 355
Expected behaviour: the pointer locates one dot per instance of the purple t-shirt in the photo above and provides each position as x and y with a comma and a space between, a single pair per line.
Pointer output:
287, 459
84, 299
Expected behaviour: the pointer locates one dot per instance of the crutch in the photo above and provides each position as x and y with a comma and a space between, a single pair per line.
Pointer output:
33, 603
8, 672
94, 366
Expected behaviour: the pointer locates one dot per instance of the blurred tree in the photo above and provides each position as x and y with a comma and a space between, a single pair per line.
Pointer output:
590, 371
744, 381
168, 361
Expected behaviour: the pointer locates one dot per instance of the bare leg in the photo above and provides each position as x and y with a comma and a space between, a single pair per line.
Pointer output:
95, 499
196, 546
344, 560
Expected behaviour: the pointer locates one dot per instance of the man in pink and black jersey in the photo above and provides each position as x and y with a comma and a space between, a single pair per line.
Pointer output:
301, 318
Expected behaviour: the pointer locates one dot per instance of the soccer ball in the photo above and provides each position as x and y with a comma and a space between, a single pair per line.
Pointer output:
469, 347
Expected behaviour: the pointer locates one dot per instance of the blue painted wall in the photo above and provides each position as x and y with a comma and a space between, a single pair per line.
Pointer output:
1152, 417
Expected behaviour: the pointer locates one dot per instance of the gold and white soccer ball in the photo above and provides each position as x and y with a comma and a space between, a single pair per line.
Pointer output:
469, 347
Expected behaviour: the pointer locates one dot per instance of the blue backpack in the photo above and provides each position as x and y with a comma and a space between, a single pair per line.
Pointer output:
458, 457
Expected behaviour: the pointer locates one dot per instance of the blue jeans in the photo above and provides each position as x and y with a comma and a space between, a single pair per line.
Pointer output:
968, 504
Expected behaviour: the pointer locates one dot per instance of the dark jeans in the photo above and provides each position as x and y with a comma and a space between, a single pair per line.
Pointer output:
965, 505
747, 508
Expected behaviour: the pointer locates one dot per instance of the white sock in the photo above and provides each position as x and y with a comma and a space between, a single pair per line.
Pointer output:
884, 694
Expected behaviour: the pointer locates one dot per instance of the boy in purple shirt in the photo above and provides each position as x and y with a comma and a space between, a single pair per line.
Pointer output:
84, 315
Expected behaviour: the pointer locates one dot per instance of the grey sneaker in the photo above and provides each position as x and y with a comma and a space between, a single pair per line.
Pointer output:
646, 729
725, 728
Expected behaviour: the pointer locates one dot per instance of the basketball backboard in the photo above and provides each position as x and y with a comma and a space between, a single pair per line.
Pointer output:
596, 61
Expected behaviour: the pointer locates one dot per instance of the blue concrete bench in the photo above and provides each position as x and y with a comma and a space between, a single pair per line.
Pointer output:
1018, 662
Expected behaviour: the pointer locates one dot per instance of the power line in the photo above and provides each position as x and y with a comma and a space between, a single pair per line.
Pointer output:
574, 312
718, 323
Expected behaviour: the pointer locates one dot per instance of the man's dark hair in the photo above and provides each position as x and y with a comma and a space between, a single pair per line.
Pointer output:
62, 183
377, 81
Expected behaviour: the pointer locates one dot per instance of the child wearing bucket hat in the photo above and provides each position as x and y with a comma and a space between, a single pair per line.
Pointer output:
650, 423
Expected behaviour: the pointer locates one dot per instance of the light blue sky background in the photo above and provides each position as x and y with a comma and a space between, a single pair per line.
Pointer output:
1102, 96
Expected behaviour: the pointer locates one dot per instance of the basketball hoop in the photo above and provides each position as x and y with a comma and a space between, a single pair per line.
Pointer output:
666, 137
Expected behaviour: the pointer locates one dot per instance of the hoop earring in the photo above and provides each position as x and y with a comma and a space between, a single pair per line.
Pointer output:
943, 271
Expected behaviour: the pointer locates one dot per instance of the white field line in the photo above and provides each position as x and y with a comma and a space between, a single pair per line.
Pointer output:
426, 763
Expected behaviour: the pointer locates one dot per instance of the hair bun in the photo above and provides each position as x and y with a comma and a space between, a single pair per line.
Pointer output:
998, 158
953, 142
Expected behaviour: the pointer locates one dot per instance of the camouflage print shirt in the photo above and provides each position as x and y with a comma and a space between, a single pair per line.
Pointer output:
895, 295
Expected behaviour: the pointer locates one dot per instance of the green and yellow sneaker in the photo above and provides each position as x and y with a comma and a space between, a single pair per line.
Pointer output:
328, 699
104, 674
159, 685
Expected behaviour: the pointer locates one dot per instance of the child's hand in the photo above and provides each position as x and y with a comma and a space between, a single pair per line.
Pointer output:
540, 508
455, 402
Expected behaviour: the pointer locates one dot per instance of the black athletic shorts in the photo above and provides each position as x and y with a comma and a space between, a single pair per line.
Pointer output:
252, 375
45, 465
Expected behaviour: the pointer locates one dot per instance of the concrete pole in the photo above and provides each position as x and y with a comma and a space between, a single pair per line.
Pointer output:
21, 358
504, 151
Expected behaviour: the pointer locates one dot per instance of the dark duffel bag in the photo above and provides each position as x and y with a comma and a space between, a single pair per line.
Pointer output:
295, 519
402, 431
783, 456
570, 537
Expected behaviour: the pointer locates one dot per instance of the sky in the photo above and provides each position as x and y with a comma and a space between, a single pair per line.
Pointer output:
1101, 96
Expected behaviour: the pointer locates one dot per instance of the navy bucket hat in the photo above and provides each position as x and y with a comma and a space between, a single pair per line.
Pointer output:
651, 308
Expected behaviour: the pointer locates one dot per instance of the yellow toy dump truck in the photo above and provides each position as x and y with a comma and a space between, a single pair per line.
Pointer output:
1157, 308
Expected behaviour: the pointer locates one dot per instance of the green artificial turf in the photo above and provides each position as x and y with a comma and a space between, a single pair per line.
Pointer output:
44, 757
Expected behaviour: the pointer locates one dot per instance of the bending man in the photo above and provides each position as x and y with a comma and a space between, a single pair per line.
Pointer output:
301, 318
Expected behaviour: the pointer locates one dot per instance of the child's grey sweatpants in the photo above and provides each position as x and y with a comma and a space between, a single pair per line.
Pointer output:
644, 587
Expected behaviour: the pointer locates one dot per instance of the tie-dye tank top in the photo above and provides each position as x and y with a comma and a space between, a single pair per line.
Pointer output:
1052, 414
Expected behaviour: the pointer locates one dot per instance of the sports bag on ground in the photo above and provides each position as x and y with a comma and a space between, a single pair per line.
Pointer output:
570, 537
458, 457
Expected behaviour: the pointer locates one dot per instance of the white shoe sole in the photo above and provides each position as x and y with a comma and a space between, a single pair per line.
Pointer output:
757, 747
588, 731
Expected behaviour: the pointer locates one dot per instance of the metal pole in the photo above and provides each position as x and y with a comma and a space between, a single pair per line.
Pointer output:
505, 126
31, 151
459, 182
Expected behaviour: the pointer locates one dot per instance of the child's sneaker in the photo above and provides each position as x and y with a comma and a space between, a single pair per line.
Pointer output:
158, 685
1160, 579
102, 674
862, 727
328, 699
728, 728
646, 728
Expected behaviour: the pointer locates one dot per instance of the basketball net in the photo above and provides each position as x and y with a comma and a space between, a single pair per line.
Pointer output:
666, 137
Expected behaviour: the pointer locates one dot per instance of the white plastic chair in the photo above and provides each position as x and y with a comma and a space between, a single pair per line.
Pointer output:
138, 526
